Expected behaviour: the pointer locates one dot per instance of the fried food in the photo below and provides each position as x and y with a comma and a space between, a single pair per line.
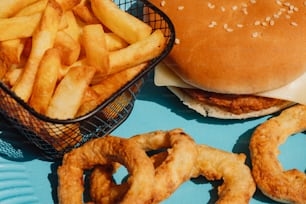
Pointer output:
215, 164
174, 157
167, 177
29, 29
68, 48
93, 41
45, 83
9, 7
18, 27
11, 50
128, 27
287, 186
69, 93
103, 151
42, 40
137, 53
107, 87
36, 7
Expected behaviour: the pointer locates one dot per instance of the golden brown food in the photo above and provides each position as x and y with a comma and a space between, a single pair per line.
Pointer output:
234, 103
214, 164
34, 27
236, 47
288, 186
43, 39
169, 174
104, 151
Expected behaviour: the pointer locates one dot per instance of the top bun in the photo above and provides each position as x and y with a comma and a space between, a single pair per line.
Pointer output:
237, 47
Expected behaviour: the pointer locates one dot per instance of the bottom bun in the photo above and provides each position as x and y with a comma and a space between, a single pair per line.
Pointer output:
208, 110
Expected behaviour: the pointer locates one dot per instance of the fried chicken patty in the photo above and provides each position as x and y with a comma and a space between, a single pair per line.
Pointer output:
233, 103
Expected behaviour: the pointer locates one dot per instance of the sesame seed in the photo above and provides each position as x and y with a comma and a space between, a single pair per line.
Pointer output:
272, 23
239, 25
210, 5
177, 41
257, 23
268, 18
279, 2
163, 3
234, 8
255, 34
264, 23
180, 8
212, 24
222, 8
294, 24
245, 10
290, 11
253, 1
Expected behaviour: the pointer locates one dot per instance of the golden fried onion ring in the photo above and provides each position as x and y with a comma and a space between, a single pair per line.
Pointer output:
214, 164
276, 183
103, 151
172, 169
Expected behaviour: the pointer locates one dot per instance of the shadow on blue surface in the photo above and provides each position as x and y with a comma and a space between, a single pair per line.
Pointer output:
13, 146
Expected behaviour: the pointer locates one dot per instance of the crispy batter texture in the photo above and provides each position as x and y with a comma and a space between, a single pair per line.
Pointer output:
214, 164
169, 174
103, 151
275, 182
234, 103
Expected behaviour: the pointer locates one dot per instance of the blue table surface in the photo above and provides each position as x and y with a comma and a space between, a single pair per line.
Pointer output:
28, 179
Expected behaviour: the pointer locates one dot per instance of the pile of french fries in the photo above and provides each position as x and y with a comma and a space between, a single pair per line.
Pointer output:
57, 54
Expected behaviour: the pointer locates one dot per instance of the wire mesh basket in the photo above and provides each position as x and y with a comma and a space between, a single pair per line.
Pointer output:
56, 137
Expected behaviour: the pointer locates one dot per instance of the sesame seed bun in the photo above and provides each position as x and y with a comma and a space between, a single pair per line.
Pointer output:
237, 47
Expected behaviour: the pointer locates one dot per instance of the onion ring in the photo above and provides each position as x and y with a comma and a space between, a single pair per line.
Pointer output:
276, 183
215, 164
104, 151
169, 172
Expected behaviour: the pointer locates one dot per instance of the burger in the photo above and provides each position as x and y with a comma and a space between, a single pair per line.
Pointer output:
236, 59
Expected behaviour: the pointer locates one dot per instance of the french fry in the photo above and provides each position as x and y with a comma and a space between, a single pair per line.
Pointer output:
42, 40
9, 7
45, 80
11, 50
69, 49
18, 27
12, 75
84, 12
3, 69
68, 4
73, 28
89, 101
37, 7
64, 69
137, 53
93, 41
108, 86
114, 42
69, 93
128, 27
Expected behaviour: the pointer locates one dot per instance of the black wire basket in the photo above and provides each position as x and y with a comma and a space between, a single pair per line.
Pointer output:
56, 137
